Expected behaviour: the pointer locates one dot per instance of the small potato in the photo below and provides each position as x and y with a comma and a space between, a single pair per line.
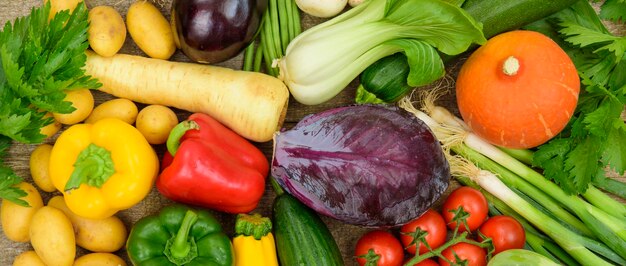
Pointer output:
107, 31
59, 5
82, 100
50, 129
28, 258
52, 237
150, 30
39, 164
99, 259
16, 219
106, 235
155, 123
123, 109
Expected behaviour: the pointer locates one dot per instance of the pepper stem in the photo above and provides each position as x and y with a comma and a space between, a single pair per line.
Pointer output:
93, 166
180, 248
173, 140
253, 225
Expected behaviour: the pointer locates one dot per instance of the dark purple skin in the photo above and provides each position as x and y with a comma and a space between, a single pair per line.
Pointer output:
212, 31
368, 165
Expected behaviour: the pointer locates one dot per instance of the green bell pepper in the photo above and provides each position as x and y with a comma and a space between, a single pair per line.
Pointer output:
179, 235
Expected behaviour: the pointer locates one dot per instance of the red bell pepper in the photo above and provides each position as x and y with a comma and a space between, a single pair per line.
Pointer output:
211, 166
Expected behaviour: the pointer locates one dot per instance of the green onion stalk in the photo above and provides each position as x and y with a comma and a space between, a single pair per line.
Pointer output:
571, 242
604, 226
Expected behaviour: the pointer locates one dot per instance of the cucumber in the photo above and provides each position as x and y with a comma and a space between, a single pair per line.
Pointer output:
301, 236
380, 85
499, 16
385, 80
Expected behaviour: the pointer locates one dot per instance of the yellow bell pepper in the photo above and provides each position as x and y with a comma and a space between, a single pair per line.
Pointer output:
254, 244
102, 168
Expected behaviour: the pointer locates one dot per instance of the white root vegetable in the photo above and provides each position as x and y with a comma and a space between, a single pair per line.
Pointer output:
250, 103
322, 8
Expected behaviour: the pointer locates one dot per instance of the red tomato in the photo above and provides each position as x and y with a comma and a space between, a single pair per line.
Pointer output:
474, 255
505, 232
431, 222
472, 201
382, 243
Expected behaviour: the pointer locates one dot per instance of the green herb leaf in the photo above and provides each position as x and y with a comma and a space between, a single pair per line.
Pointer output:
594, 138
39, 61
613, 10
8, 179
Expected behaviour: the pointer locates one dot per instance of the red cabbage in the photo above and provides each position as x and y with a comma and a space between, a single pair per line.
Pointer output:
369, 165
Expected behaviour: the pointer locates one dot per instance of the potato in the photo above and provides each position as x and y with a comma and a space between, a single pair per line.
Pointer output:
106, 235
107, 31
123, 109
82, 100
28, 258
99, 259
16, 219
52, 237
59, 5
39, 164
155, 123
50, 129
150, 30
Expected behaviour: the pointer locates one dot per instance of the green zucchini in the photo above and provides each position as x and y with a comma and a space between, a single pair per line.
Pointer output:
385, 80
301, 236
379, 83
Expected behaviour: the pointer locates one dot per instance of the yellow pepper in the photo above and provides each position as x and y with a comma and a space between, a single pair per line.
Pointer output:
254, 244
102, 168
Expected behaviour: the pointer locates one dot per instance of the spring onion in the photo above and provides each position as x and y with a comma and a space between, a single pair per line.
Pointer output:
568, 240
606, 229
323, 60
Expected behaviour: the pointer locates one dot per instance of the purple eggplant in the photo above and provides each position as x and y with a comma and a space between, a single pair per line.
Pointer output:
212, 31
368, 165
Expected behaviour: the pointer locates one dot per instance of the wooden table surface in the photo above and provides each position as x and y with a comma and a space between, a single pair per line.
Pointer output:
345, 235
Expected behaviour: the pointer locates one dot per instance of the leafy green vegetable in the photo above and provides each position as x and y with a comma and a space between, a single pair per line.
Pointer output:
8, 179
592, 139
39, 60
323, 60
613, 10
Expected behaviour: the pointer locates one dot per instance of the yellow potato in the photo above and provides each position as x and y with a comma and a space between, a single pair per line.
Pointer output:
50, 129
82, 100
58, 5
155, 123
150, 30
106, 235
28, 258
107, 31
16, 219
123, 109
52, 237
39, 163
99, 259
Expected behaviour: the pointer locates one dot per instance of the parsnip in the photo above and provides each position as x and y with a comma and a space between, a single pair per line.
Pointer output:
250, 103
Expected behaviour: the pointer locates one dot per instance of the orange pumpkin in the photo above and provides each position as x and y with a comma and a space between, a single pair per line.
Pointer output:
518, 90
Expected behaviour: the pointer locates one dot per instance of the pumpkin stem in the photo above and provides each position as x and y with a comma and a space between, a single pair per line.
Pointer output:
510, 66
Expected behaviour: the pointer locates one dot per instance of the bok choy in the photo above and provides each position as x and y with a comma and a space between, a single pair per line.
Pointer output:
323, 60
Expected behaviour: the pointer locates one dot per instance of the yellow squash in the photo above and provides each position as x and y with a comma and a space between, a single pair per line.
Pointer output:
103, 167
254, 244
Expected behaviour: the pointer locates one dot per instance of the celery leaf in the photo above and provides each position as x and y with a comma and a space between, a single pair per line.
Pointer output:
595, 136
614, 155
8, 179
613, 10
